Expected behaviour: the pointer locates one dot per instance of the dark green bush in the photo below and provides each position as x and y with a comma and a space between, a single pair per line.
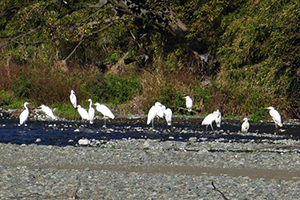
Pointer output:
117, 89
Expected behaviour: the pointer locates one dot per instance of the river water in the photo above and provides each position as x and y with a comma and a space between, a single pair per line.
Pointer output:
62, 133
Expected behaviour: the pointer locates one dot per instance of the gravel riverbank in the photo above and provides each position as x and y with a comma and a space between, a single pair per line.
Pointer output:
253, 165
151, 169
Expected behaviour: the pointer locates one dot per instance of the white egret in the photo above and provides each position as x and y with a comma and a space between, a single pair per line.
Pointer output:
48, 111
168, 116
105, 111
218, 119
275, 116
73, 99
155, 111
209, 119
91, 112
25, 114
83, 113
245, 125
188, 103
152, 114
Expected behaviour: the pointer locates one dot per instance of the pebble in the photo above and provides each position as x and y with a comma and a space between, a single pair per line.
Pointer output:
38, 140
84, 142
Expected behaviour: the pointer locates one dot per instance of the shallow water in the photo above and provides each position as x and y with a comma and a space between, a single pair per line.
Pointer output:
62, 133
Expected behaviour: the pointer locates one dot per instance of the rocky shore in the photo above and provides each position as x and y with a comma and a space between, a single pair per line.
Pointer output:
151, 169
264, 168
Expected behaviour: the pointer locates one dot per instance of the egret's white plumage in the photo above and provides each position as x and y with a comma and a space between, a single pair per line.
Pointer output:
245, 125
47, 110
218, 119
275, 116
161, 111
155, 111
83, 113
209, 119
105, 111
168, 116
91, 112
25, 114
152, 114
73, 99
188, 103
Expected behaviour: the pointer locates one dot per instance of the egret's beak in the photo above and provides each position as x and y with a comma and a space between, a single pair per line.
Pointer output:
266, 108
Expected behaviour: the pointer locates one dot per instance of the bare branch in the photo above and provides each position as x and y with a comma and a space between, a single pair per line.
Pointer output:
81, 40
38, 43
19, 36
224, 197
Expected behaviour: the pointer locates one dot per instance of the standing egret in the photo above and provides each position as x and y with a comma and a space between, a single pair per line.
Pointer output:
91, 112
105, 111
83, 113
152, 114
188, 103
245, 125
168, 116
155, 111
275, 116
209, 119
48, 111
218, 119
25, 114
73, 99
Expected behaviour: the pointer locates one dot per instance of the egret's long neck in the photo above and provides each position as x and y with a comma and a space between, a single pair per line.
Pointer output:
91, 103
25, 106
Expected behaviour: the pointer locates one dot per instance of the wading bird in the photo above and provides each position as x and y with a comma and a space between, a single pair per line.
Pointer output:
188, 103
91, 112
25, 114
73, 99
151, 115
83, 113
155, 111
245, 125
48, 111
105, 111
275, 116
209, 119
168, 116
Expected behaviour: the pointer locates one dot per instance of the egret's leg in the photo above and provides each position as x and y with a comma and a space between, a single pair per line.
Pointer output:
153, 123
211, 127
104, 121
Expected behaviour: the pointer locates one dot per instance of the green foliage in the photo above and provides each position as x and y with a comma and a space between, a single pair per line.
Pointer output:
258, 114
22, 87
258, 54
5, 98
117, 90
8, 100
65, 110
254, 47
171, 98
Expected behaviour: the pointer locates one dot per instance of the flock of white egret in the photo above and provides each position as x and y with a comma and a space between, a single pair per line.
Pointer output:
84, 114
157, 110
